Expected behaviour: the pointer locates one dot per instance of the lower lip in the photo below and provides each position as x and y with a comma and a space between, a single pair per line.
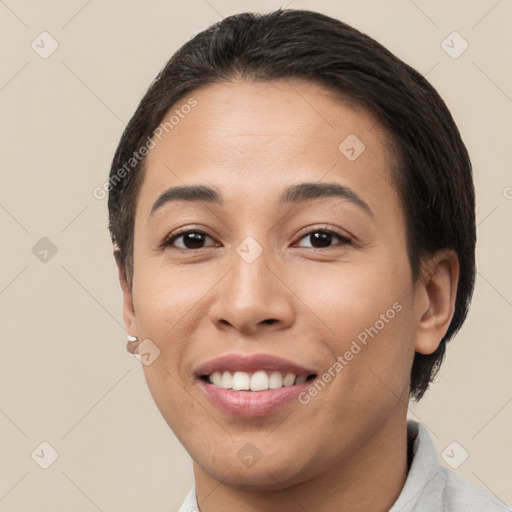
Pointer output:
251, 404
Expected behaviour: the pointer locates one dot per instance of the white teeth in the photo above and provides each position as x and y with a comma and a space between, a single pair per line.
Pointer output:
289, 379
216, 378
275, 381
227, 381
240, 381
258, 381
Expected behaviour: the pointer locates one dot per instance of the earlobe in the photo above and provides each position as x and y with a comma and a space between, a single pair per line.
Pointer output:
128, 308
437, 293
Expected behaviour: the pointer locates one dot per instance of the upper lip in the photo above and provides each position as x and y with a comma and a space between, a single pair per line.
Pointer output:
251, 363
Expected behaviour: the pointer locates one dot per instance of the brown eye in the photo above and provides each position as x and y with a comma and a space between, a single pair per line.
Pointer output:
191, 239
322, 238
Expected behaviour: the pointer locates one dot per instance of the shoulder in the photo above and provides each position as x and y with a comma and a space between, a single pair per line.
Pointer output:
461, 496
430, 487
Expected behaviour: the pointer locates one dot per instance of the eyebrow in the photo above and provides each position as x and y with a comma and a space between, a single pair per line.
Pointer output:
297, 193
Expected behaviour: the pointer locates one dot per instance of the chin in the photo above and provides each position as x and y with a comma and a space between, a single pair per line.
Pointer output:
263, 475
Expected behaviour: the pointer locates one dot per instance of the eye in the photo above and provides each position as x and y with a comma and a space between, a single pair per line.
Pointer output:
191, 239
322, 238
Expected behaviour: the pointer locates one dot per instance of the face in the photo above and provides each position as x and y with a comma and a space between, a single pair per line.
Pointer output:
315, 283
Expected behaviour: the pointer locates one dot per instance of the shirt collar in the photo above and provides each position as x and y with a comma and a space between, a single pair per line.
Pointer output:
424, 479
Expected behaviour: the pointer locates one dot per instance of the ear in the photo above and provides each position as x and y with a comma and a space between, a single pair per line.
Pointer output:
435, 299
128, 308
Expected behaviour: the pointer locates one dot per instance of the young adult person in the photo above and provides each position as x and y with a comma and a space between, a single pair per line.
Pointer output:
292, 212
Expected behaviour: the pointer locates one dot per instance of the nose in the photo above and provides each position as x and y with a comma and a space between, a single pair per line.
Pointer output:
252, 297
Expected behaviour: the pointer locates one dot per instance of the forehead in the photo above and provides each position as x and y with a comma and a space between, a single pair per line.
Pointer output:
255, 138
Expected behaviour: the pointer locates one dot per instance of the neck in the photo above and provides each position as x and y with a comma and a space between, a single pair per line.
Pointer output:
369, 478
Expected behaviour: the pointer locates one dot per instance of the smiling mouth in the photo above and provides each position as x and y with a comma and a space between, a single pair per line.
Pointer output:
260, 380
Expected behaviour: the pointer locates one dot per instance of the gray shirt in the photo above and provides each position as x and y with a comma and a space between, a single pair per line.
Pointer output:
429, 487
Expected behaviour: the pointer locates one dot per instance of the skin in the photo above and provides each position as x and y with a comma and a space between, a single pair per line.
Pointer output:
346, 449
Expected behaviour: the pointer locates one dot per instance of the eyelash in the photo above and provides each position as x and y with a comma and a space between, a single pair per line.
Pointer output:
168, 242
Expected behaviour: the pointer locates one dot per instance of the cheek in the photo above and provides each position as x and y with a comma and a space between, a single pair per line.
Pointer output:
349, 298
366, 315
171, 399
164, 297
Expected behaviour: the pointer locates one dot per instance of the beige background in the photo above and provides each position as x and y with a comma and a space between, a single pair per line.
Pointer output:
65, 376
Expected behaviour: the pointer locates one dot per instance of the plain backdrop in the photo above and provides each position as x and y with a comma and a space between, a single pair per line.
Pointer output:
65, 377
